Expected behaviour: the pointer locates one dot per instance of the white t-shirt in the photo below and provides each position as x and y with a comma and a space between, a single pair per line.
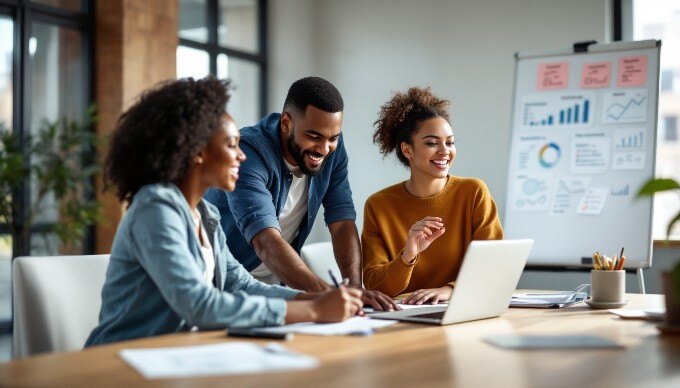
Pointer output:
206, 248
290, 218
295, 208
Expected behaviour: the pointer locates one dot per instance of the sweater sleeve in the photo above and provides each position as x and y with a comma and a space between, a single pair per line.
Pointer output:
382, 272
485, 222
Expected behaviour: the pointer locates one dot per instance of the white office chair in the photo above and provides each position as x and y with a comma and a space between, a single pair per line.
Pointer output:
56, 301
319, 258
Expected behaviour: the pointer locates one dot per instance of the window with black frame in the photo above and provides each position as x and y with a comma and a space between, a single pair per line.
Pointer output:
660, 19
45, 76
226, 38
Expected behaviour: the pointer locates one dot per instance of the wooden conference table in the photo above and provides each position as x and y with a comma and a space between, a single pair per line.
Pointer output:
410, 355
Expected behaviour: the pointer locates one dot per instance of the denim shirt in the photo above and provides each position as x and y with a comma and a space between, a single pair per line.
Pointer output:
262, 189
155, 284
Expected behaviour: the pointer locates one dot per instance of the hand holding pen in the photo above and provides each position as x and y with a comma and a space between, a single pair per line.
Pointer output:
338, 304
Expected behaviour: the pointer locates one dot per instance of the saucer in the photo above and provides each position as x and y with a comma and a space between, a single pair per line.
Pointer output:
605, 305
668, 329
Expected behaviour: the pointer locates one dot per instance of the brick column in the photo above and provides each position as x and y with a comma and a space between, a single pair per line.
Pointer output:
135, 49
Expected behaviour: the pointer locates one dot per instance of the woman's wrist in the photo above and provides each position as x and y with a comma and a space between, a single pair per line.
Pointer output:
407, 257
301, 311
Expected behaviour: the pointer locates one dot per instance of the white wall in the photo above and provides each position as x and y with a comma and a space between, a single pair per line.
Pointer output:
462, 49
291, 46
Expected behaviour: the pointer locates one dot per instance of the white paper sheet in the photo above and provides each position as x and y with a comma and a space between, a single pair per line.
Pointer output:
590, 153
205, 360
657, 314
630, 160
355, 325
593, 201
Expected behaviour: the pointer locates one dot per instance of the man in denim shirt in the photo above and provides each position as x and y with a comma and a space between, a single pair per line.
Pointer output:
296, 163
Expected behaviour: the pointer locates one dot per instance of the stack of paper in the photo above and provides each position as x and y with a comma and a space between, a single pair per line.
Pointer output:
204, 360
559, 299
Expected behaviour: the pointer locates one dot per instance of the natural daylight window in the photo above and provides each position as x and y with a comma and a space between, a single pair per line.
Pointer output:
660, 19
225, 38
49, 80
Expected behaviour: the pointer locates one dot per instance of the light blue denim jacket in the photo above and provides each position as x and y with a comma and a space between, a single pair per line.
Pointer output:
155, 284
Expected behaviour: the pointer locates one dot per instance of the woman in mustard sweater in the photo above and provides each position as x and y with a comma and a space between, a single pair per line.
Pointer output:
416, 232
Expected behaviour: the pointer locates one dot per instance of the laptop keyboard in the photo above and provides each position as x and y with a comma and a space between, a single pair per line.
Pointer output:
438, 315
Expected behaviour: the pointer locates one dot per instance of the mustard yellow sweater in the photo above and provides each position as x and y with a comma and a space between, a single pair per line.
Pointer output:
468, 213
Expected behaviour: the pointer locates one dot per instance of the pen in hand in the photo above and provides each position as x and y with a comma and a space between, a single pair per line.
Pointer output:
335, 281
345, 281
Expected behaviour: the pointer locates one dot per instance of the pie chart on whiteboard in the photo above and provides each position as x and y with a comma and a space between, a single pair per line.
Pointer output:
549, 155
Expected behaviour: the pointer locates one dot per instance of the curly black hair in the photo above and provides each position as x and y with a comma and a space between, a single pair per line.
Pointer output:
155, 140
314, 91
400, 117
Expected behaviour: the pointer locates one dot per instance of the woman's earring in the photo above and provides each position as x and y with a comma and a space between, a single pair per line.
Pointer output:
198, 160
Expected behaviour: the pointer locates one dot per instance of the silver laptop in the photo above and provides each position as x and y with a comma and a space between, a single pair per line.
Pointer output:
489, 275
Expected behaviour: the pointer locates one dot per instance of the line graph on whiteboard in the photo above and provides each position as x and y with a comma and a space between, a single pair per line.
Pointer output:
629, 106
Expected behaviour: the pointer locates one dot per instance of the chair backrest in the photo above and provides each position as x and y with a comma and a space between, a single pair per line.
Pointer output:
319, 258
56, 301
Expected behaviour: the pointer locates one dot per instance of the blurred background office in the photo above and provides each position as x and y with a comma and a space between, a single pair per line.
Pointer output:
59, 56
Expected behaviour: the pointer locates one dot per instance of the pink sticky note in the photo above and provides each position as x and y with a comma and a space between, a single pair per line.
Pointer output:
553, 75
596, 75
632, 71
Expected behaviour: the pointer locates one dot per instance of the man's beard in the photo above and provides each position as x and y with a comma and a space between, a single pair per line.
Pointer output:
299, 156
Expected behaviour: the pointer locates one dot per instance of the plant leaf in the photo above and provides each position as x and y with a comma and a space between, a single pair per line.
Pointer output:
671, 223
656, 185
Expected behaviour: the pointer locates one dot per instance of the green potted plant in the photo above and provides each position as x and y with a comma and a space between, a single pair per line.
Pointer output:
671, 279
59, 161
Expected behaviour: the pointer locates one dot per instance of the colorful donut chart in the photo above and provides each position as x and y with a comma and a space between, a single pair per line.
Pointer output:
549, 155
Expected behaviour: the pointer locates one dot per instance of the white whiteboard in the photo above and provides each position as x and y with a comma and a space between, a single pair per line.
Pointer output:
583, 142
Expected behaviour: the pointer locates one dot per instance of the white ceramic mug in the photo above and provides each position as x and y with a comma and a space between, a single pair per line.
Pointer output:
607, 286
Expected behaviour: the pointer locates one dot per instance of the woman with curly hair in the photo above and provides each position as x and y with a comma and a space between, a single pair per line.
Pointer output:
416, 232
170, 268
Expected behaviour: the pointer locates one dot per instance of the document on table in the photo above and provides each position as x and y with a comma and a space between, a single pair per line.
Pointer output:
657, 314
547, 300
353, 325
514, 341
204, 360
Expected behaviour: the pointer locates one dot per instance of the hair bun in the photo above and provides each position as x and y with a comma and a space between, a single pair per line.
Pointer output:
398, 119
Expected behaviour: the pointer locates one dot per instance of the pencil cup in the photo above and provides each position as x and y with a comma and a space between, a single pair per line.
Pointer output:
607, 286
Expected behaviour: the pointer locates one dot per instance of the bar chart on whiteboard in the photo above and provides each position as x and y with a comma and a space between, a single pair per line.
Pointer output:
557, 110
